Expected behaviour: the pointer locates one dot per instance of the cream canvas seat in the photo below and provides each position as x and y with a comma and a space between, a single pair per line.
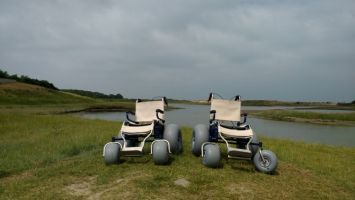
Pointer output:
229, 110
145, 116
234, 132
139, 130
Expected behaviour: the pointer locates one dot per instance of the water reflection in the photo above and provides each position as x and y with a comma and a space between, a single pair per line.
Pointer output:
195, 114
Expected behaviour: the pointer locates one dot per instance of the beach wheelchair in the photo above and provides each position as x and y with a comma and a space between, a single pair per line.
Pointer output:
226, 127
147, 126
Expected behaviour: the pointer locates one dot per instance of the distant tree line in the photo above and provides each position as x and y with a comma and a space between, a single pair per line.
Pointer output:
26, 79
95, 94
347, 104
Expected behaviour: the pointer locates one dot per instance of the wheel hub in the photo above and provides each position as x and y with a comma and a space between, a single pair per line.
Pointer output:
266, 162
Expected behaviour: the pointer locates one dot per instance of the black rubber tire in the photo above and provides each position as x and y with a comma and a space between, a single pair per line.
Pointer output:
270, 164
112, 153
160, 153
200, 135
173, 135
211, 155
254, 148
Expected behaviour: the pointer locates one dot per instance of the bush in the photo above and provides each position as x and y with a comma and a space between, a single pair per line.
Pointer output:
95, 94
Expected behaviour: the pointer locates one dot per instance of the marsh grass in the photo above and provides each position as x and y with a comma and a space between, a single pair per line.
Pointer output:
60, 157
310, 117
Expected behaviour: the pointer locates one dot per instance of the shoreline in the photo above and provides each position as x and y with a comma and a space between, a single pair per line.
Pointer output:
333, 119
281, 115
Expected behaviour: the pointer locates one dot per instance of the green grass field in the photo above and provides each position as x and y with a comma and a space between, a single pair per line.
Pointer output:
46, 154
49, 156
22, 97
26, 94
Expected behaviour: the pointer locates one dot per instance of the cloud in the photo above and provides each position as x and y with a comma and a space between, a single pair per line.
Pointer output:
291, 50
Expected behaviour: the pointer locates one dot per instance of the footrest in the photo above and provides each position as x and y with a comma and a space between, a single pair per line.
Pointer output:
240, 153
132, 151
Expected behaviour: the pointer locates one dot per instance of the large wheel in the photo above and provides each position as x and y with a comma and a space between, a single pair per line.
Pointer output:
211, 155
266, 165
173, 135
254, 148
160, 153
200, 135
112, 153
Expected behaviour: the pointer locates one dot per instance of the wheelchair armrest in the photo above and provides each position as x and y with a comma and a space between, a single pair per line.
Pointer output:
213, 112
116, 138
245, 115
129, 119
157, 113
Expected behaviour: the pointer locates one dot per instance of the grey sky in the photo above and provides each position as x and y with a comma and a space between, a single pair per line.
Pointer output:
287, 50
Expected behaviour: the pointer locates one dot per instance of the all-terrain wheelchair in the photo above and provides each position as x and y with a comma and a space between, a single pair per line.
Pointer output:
148, 126
226, 127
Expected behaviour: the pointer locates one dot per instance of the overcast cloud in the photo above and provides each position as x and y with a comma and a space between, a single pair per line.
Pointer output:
287, 50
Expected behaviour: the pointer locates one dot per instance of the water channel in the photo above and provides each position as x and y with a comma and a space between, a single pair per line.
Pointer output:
191, 115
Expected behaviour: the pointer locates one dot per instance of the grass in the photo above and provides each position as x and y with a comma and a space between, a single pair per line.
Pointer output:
322, 105
49, 156
283, 103
22, 97
309, 117
26, 94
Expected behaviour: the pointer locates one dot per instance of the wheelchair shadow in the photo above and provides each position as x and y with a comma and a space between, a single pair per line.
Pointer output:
135, 160
241, 165
142, 160
171, 160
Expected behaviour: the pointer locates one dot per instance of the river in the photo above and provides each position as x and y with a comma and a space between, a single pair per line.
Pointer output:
191, 115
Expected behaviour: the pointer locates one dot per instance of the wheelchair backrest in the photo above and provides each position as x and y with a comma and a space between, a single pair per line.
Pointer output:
226, 110
146, 110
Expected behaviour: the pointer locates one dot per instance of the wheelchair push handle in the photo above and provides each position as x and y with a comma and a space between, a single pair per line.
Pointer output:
165, 101
210, 96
